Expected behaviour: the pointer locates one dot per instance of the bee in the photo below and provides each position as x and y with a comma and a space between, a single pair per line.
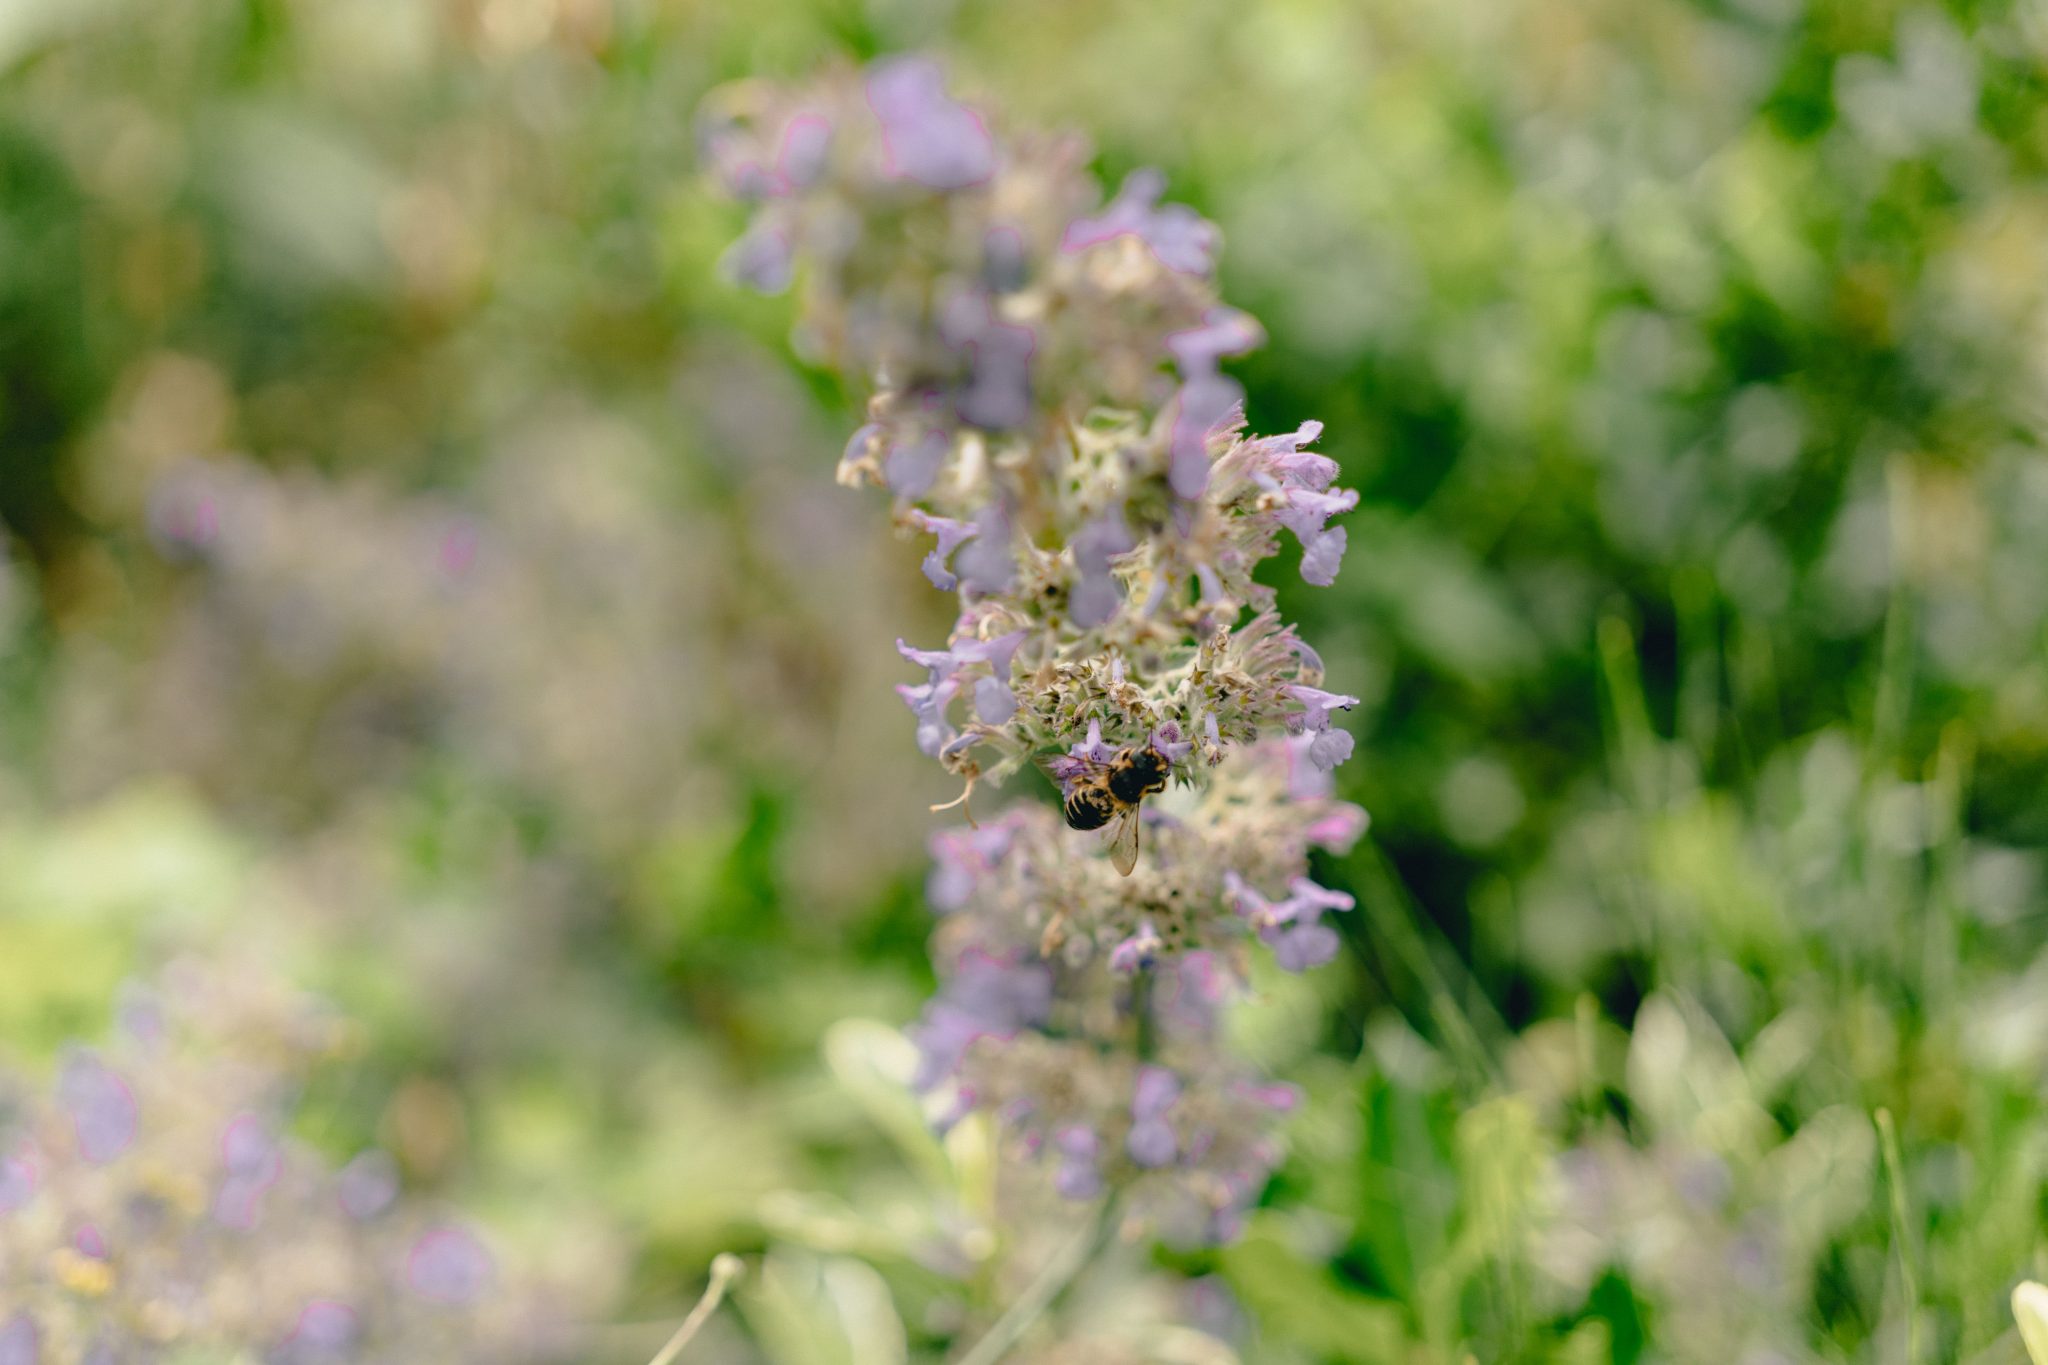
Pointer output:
1105, 795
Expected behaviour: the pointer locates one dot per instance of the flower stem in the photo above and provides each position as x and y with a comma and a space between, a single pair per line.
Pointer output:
1043, 1292
725, 1268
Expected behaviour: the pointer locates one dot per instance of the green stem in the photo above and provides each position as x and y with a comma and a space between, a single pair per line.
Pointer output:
1888, 1144
1045, 1291
725, 1268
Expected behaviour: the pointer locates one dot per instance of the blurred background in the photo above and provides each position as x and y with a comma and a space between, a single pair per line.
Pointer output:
424, 575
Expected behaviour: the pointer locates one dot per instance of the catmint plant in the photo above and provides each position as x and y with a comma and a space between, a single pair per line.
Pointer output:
1051, 422
156, 1204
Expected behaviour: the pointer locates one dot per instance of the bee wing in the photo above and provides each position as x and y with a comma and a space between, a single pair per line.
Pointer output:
1122, 835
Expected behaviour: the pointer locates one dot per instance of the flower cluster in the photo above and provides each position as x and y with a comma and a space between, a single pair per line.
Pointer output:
1050, 412
152, 1200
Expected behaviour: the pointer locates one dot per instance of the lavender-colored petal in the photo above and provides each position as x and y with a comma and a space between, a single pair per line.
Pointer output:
927, 136
763, 260
1179, 238
986, 564
1205, 402
1135, 952
325, 1325
1152, 1143
449, 1265
1154, 1092
1224, 331
1300, 947
912, 467
806, 148
1339, 829
368, 1185
17, 1183
998, 393
1330, 748
1323, 557
994, 702
102, 1108
21, 1343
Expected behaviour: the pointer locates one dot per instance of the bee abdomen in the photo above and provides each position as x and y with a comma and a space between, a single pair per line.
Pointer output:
1089, 808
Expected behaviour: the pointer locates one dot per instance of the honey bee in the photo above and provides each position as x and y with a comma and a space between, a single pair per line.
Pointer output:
1105, 795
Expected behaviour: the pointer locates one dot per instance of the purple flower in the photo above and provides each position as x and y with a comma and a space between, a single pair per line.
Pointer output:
952, 535
1208, 397
1096, 596
1292, 927
1301, 946
763, 260
1329, 747
1189, 994
926, 135
1168, 744
1337, 830
962, 857
367, 1185
986, 997
252, 1160
1180, 238
911, 468
1224, 332
1136, 951
1078, 1176
1322, 550
998, 392
20, 1342
17, 1182
101, 1106
324, 1325
928, 701
1283, 459
987, 565
806, 147
1152, 1141
448, 1265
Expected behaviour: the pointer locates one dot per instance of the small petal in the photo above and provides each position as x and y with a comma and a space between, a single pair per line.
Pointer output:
927, 136
1152, 1143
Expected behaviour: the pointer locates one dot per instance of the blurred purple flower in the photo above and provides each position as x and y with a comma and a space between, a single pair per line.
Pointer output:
806, 147
1208, 397
367, 1185
987, 564
324, 1326
448, 1265
251, 1160
911, 468
1096, 595
20, 1342
986, 997
1152, 1141
17, 1182
101, 1106
1136, 951
926, 135
961, 857
1179, 237
763, 260
1078, 1176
